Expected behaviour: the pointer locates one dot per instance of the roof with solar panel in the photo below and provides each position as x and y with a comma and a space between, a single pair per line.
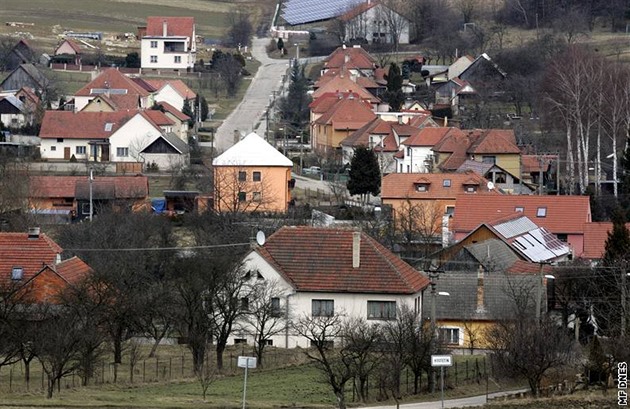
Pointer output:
308, 11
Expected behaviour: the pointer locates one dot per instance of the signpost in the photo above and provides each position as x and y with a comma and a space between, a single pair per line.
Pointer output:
442, 361
246, 362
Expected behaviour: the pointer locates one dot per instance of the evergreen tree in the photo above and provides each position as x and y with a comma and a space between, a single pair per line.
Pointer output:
365, 175
294, 107
187, 110
280, 44
394, 95
624, 177
200, 103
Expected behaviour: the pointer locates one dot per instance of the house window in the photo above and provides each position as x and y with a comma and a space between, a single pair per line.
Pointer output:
256, 197
268, 342
153, 44
122, 152
17, 273
489, 159
446, 183
541, 212
450, 210
471, 189
154, 58
240, 340
275, 307
499, 177
178, 59
80, 150
519, 209
244, 304
85, 208
256, 177
421, 188
242, 176
381, 310
563, 237
323, 308
450, 335
242, 196
53, 148
59, 140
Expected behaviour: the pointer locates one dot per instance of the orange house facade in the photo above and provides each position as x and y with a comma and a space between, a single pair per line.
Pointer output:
252, 176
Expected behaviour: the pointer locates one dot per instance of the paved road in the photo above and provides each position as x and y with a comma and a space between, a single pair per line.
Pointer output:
451, 403
249, 115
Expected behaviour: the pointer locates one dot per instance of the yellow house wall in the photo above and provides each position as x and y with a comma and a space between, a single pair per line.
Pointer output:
273, 187
475, 330
400, 205
95, 106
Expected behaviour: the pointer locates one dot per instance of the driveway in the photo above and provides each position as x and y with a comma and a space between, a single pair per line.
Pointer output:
249, 115
451, 403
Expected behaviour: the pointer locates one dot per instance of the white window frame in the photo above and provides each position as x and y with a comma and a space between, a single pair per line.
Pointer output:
154, 44
122, 152
154, 59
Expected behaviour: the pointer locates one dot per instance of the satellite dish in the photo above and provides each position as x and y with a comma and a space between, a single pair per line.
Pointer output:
260, 237
490, 185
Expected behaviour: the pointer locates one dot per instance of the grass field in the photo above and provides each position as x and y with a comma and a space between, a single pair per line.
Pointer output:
287, 380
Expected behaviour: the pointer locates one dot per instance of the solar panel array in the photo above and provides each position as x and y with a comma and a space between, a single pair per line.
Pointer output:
307, 11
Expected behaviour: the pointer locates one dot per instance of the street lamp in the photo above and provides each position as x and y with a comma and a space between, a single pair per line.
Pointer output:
539, 291
297, 52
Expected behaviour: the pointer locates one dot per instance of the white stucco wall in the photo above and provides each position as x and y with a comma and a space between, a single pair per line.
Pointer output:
135, 134
414, 160
168, 94
299, 304
165, 60
51, 149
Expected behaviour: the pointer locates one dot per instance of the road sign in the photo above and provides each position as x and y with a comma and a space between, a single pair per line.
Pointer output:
441, 360
247, 362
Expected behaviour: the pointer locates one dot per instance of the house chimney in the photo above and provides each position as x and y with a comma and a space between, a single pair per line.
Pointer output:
33, 233
164, 28
481, 307
400, 120
356, 249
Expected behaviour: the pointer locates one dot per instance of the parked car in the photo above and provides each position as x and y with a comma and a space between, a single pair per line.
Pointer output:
312, 170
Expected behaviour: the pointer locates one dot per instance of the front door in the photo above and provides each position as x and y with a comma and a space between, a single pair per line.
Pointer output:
66, 153
105, 153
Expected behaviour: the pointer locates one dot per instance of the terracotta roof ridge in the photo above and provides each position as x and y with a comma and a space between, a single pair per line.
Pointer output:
377, 249
266, 254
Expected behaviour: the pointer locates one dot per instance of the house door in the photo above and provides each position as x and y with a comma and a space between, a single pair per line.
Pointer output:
105, 153
66, 153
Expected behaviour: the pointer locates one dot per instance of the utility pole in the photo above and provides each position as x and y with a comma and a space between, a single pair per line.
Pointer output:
91, 179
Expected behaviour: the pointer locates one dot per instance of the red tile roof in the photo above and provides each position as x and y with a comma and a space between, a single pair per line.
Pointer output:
429, 136
350, 113
320, 259
17, 250
404, 185
73, 270
136, 186
82, 125
595, 236
493, 141
175, 26
532, 163
358, 10
158, 117
351, 58
564, 214
72, 44
342, 83
111, 78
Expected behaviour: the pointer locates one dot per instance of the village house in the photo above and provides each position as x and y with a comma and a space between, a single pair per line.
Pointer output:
111, 91
20, 53
376, 23
31, 267
252, 176
331, 272
168, 43
353, 60
69, 48
25, 76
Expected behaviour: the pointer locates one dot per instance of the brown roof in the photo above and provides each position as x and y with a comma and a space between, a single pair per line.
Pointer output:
72, 44
595, 236
361, 137
564, 214
17, 250
173, 111
532, 163
175, 26
404, 185
320, 259
105, 187
82, 125
350, 57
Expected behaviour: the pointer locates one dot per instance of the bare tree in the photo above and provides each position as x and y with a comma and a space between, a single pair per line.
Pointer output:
396, 22
206, 377
474, 335
363, 342
265, 317
235, 191
419, 223
468, 9
333, 361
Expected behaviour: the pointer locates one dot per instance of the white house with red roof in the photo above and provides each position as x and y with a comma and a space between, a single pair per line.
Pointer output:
175, 92
325, 272
112, 90
120, 136
168, 43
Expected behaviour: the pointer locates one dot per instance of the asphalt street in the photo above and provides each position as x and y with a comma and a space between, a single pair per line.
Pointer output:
471, 401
